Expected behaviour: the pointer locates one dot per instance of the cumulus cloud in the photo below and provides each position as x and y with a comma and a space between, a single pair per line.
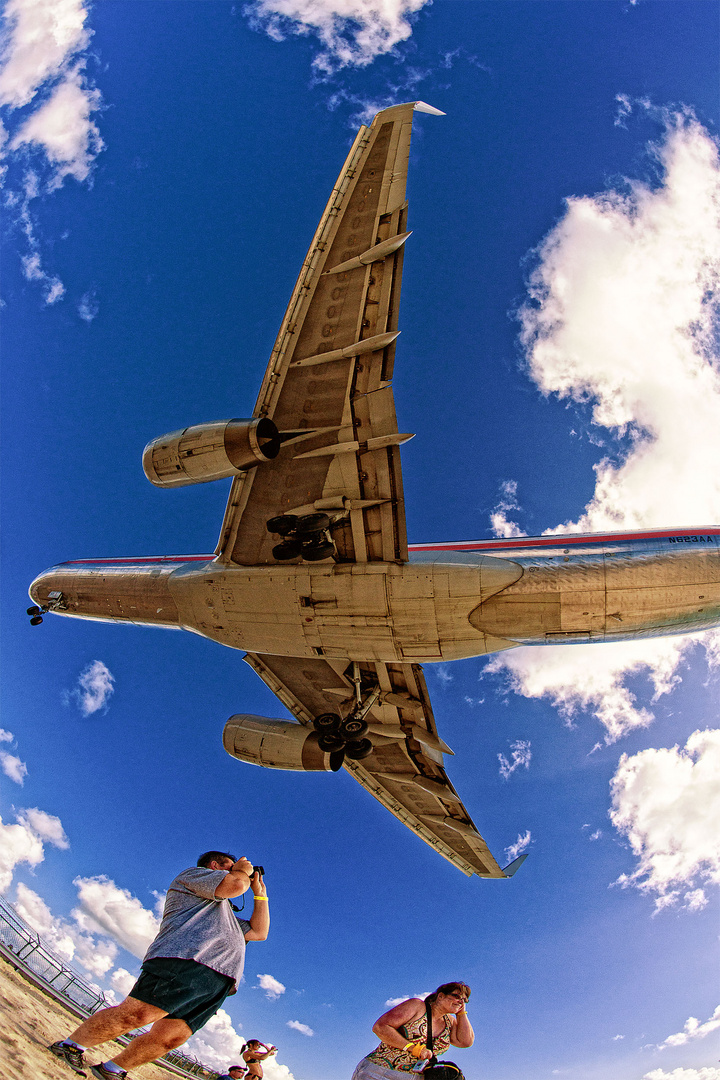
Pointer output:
352, 32
693, 1029
23, 842
43, 74
302, 1028
622, 315
707, 1073
13, 767
500, 524
122, 981
272, 987
667, 803
66, 939
217, 1044
95, 685
107, 909
521, 756
523, 841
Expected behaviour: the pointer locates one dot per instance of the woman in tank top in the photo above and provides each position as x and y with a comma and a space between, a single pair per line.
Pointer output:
255, 1052
403, 1034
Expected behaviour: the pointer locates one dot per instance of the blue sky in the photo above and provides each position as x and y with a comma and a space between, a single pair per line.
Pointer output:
165, 171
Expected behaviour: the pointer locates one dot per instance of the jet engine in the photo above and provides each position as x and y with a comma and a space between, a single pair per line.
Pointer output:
278, 744
206, 452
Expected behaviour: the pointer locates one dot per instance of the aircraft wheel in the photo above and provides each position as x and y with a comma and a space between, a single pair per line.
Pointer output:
316, 552
358, 749
289, 549
36, 620
282, 525
327, 723
312, 523
34, 610
352, 729
328, 743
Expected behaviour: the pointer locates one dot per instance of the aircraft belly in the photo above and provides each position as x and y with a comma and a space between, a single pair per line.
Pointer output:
615, 596
357, 611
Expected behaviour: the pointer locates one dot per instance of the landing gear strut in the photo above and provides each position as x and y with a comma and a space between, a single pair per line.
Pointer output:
347, 737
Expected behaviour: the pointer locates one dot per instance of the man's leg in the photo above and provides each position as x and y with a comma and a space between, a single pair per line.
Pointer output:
164, 1035
109, 1023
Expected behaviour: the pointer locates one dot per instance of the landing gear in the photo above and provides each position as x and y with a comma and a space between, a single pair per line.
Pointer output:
358, 749
353, 728
328, 743
56, 602
306, 536
36, 620
327, 723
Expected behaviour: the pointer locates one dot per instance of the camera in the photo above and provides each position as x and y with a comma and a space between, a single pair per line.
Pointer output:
258, 870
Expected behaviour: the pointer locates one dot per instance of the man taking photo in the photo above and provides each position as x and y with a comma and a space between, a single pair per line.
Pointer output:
195, 961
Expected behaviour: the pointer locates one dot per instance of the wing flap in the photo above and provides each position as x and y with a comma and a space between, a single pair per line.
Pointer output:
405, 771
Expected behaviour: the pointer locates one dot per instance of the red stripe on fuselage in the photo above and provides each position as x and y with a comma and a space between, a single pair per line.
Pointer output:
506, 544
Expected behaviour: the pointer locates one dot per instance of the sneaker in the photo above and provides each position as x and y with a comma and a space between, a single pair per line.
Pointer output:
70, 1055
106, 1074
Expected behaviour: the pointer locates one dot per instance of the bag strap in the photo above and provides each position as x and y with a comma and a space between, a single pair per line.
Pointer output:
429, 1040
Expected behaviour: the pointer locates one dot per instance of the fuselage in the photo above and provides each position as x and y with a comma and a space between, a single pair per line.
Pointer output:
449, 601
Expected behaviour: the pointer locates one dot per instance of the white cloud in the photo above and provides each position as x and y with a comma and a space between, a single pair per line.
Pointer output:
500, 523
217, 1044
667, 803
623, 315
42, 36
272, 987
13, 767
392, 1002
23, 842
107, 909
18, 844
709, 1072
88, 307
63, 129
693, 1029
521, 756
95, 686
577, 677
6, 736
302, 1028
512, 852
43, 72
46, 826
122, 981
69, 941
352, 32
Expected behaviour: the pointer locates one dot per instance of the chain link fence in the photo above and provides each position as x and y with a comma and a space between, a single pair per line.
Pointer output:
28, 953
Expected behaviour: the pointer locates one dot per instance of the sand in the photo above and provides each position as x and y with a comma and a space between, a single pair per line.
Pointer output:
31, 1020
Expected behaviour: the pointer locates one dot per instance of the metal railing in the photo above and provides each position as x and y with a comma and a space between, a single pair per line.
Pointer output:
24, 945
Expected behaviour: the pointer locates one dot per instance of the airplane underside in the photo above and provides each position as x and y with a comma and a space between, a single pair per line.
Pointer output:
443, 605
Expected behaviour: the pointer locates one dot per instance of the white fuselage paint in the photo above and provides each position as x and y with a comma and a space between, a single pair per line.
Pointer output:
450, 601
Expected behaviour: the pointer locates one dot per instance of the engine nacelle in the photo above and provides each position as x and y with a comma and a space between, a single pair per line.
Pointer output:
206, 452
277, 744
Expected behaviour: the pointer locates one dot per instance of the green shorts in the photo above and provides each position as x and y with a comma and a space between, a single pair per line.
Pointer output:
184, 989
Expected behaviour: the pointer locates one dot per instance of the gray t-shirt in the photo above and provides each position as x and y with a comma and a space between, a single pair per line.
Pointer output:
197, 926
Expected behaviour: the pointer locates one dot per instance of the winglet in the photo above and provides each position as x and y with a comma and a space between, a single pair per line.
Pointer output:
514, 866
421, 106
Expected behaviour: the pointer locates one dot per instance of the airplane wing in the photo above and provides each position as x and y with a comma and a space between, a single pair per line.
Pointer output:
327, 385
405, 770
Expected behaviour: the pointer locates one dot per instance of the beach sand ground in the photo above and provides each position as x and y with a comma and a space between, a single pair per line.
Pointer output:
30, 1021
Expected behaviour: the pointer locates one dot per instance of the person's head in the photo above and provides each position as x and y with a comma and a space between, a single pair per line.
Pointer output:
237, 1071
254, 1044
216, 860
450, 997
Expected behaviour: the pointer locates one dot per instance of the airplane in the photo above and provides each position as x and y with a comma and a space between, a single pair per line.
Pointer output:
313, 576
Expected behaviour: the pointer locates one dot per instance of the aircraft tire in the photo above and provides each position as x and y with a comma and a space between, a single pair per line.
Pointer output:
316, 552
312, 523
282, 525
358, 749
329, 743
327, 723
352, 730
289, 549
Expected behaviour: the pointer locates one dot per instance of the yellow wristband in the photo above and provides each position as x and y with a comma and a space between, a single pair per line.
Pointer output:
407, 1046
259, 896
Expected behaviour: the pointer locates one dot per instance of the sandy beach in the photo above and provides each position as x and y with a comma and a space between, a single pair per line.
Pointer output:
33, 1020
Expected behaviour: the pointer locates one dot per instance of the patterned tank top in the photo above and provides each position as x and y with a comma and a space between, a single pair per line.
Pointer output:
392, 1058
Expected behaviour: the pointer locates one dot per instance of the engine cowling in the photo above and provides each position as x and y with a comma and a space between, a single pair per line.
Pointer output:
207, 452
277, 744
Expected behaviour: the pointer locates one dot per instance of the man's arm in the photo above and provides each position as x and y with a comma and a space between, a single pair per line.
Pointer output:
260, 918
236, 881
